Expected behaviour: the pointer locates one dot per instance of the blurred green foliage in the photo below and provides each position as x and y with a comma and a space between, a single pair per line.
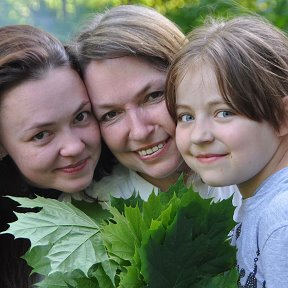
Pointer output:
63, 17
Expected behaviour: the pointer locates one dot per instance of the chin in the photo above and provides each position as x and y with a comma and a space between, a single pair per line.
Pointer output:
214, 183
75, 189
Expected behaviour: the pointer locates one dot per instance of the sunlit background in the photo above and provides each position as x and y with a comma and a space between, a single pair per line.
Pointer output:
63, 17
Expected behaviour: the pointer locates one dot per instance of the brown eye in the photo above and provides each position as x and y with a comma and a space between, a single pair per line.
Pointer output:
81, 117
155, 96
41, 135
109, 116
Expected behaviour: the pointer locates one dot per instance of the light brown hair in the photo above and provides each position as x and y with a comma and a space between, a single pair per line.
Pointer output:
250, 59
128, 30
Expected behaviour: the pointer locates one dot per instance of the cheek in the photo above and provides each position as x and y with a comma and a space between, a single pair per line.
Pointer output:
30, 168
163, 118
114, 136
182, 140
94, 134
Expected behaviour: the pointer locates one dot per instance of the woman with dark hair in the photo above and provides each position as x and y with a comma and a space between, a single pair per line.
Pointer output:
49, 139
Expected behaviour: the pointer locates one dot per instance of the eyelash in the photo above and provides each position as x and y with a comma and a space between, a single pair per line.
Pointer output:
34, 138
230, 113
180, 117
85, 113
45, 134
159, 96
104, 118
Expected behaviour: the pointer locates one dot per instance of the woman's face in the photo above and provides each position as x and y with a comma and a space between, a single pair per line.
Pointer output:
48, 129
128, 101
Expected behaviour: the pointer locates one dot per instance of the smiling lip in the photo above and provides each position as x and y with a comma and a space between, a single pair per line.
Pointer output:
152, 151
74, 168
209, 158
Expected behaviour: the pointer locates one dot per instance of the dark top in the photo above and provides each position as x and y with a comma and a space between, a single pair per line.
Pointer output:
14, 272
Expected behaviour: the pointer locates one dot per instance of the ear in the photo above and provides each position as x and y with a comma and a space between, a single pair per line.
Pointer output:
3, 152
283, 130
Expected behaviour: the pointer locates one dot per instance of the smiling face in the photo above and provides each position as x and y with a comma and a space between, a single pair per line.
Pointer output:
48, 129
128, 101
223, 147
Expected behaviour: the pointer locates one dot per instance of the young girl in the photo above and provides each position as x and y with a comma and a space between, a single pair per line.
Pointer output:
227, 90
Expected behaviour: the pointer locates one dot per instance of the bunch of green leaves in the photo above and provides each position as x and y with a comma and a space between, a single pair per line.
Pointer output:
175, 239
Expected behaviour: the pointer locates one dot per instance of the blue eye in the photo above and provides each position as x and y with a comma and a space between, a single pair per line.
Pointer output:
185, 118
224, 114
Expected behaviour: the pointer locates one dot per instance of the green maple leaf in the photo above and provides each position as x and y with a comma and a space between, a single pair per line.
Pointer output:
37, 259
175, 239
225, 280
76, 238
75, 279
191, 244
131, 279
57, 280
124, 232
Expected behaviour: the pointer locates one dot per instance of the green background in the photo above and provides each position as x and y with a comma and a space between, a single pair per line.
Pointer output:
63, 17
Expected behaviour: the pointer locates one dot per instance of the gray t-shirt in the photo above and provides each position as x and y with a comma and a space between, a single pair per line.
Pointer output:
261, 237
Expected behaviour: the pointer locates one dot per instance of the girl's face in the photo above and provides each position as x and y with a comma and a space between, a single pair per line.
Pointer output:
47, 128
128, 101
223, 147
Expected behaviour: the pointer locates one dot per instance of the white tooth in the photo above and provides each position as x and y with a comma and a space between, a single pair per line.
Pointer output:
155, 149
149, 151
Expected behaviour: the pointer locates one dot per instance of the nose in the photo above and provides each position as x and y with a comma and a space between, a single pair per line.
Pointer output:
140, 125
71, 145
202, 132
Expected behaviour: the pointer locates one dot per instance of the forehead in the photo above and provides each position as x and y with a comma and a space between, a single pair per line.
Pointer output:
196, 78
58, 92
120, 77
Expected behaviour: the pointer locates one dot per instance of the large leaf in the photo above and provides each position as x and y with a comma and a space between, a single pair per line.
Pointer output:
183, 240
68, 280
175, 239
76, 239
193, 246
226, 280
124, 233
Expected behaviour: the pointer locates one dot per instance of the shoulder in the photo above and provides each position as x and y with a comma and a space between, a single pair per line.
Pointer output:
274, 216
277, 207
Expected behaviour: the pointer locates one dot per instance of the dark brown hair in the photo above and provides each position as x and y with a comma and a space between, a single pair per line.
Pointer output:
26, 53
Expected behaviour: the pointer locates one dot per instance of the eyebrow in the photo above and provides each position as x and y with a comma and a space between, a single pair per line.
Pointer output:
107, 106
38, 125
210, 104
